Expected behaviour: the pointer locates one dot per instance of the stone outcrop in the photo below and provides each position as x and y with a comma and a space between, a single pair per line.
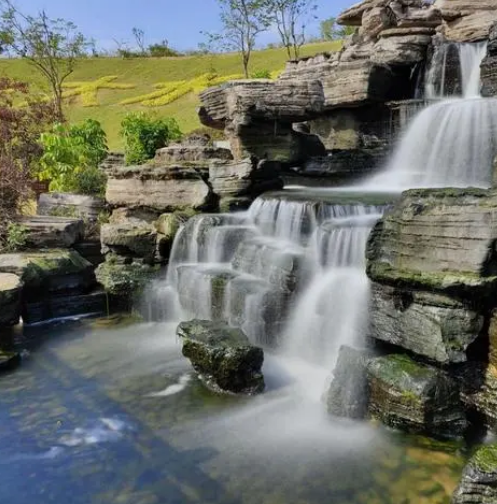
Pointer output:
70, 205
163, 188
45, 232
438, 240
223, 356
434, 326
10, 299
414, 397
479, 480
9, 361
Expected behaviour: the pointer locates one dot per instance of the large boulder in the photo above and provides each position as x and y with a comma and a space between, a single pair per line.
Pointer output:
162, 188
223, 356
130, 239
70, 205
431, 325
479, 480
489, 66
10, 299
44, 232
438, 240
179, 153
348, 394
49, 272
415, 397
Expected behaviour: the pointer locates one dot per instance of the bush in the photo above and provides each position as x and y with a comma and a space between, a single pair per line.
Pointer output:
162, 50
261, 74
71, 158
143, 134
15, 238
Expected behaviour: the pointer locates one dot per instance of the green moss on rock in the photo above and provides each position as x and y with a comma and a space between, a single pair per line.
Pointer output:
124, 279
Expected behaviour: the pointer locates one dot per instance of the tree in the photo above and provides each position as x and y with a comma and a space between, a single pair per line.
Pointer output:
288, 16
243, 21
331, 30
140, 39
20, 129
53, 46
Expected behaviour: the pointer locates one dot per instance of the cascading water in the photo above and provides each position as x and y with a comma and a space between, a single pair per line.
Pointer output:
453, 141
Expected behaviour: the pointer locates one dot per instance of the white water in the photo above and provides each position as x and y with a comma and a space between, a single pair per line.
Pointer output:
453, 141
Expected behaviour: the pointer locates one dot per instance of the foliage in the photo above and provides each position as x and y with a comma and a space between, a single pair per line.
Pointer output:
15, 238
71, 158
139, 35
331, 30
143, 134
261, 74
20, 129
243, 21
162, 50
289, 17
89, 90
53, 46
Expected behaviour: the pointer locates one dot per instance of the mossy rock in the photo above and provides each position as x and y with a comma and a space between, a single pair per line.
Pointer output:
9, 361
223, 357
10, 298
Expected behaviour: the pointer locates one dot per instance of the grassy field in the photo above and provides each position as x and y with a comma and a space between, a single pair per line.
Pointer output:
128, 79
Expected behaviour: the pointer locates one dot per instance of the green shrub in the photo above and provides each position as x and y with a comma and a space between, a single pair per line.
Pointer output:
15, 237
144, 133
71, 156
261, 74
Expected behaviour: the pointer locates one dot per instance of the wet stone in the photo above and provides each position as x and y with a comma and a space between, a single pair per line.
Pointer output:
222, 356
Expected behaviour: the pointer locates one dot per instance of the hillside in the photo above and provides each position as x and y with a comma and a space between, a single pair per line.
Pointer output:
100, 85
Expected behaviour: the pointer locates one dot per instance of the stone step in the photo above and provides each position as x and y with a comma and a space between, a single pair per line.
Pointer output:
45, 232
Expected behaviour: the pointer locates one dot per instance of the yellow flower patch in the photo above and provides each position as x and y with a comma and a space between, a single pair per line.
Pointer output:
88, 91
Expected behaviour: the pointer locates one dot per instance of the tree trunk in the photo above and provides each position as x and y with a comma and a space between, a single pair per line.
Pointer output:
57, 92
246, 58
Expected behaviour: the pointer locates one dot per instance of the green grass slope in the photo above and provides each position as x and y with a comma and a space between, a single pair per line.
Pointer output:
140, 77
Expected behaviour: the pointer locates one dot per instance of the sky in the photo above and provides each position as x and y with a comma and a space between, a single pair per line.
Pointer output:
178, 21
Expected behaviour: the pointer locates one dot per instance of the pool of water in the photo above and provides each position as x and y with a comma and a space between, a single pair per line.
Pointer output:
103, 414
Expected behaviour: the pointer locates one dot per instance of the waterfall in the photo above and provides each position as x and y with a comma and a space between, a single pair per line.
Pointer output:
453, 141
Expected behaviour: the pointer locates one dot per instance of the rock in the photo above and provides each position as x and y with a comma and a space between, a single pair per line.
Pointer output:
191, 153
489, 66
9, 361
479, 480
124, 280
375, 20
137, 215
10, 299
130, 239
438, 240
349, 392
112, 161
70, 205
414, 397
45, 232
223, 356
353, 16
259, 99
53, 271
471, 28
167, 226
91, 251
401, 49
310, 68
430, 325
159, 188
55, 307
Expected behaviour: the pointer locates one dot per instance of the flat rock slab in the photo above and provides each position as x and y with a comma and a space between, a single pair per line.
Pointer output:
10, 298
414, 397
48, 272
131, 238
70, 205
223, 356
45, 232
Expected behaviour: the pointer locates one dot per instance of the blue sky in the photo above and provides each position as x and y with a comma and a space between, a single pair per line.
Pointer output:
179, 21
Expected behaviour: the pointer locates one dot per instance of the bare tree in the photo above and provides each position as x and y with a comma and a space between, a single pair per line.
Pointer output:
243, 21
140, 39
290, 17
53, 46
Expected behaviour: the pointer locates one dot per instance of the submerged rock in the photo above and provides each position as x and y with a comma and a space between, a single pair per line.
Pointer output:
414, 397
10, 299
223, 356
348, 392
479, 480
